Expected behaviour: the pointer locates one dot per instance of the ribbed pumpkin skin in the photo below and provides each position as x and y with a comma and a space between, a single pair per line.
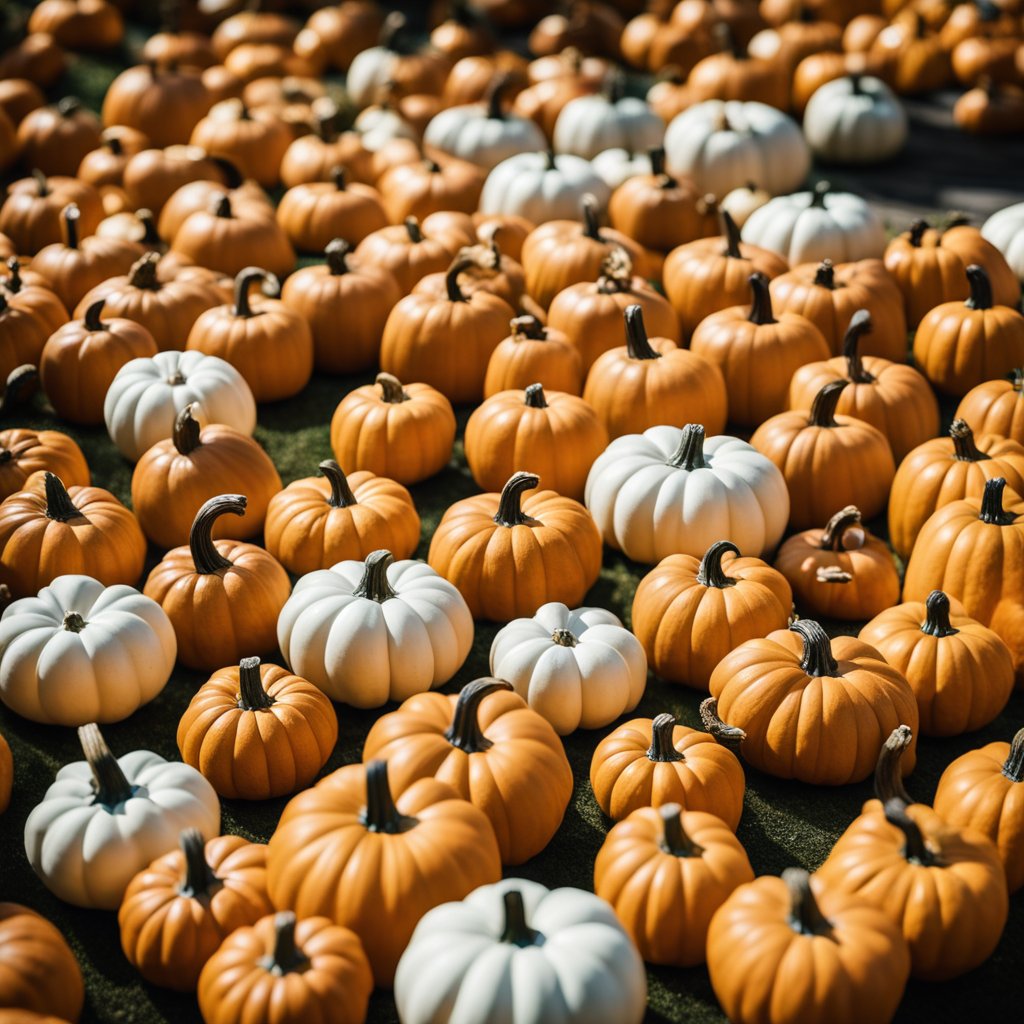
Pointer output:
995, 407
27, 319
520, 361
24, 452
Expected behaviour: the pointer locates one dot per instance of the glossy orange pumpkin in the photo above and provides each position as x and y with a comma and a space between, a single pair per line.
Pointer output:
24, 452
533, 352
409, 252
31, 215
312, 214
254, 140
996, 407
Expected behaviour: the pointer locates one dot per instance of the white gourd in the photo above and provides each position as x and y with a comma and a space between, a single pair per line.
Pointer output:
1005, 230
377, 126
741, 202
589, 125
542, 187
616, 166
856, 119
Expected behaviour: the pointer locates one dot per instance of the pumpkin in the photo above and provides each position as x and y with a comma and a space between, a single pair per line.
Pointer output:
504, 944
253, 27
105, 818
255, 141
407, 253
960, 345
617, 166
311, 157
996, 406
979, 791
164, 103
24, 452
543, 101
62, 652
690, 612
177, 911
589, 125
1003, 230
104, 165
37, 57
665, 871
855, 119
18, 97
720, 145
80, 361
933, 880
991, 109
32, 214
151, 177
473, 742
579, 669
841, 572
222, 597
470, 78
346, 30
423, 849
741, 202
854, 699
860, 461
56, 138
423, 187
635, 492
144, 399
270, 345
533, 352
851, 960
38, 971
51, 532
945, 470
312, 214
918, 60
652, 762
735, 74
195, 464
27, 318
79, 24
551, 541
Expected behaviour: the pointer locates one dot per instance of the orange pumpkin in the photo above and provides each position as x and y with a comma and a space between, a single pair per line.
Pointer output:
407, 252
57, 531
488, 269
311, 157
314, 213
346, 29
841, 572
533, 352
972, 247
222, 597
104, 165
477, 742
24, 452
31, 215
991, 108
166, 103
154, 175
734, 74
175, 914
996, 407
547, 544
423, 187
916, 59
27, 318
689, 613
317, 522
652, 762
56, 138
37, 57
18, 97
254, 141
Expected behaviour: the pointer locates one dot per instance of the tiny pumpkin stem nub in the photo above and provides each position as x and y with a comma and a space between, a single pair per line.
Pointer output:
535, 397
836, 527
564, 637
817, 660
338, 177
711, 573
205, 556
516, 931
510, 512
674, 839
761, 306
1013, 766
14, 282
59, 506
591, 224
1016, 377
336, 253
381, 814
888, 782
465, 733
374, 584
732, 235
220, 205
391, 389
251, 694
936, 618
992, 510
341, 492
199, 876
689, 455
915, 850
805, 914
823, 408
108, 779
730, 736
73, 622
638, 345
186, 430
286, 955
964, 447
825, 276
860, 324
662, 749
981, 288
616, 272
821, 189
92, 319
527, 327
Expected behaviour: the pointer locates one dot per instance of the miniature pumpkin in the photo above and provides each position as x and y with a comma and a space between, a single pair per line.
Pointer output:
222, 597
177, 911
255, 141
472, 741
31, 215
346, 30
24, 452
56, 138
991, 108
486, 268
54, 532
996, 406
533, 352
165, 103
28, 316
1003, 231
37, 57
857, 700
20, 96
407, 253
311, 157
79, 24
690, 612
551, 541
314, 213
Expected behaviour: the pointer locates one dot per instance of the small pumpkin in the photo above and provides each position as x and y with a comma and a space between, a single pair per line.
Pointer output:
28, 318
154, 175
38, 57
24, 452
991, 108
165, 103
104, 165
736, 73
533, 352
690, 612
18, 97
314, 213
346, 29
32, 214
79, 24
56, 138
855, 119
996, 406
407, 253
311, 157
423, 187
255, 141
588, 125
1003, 230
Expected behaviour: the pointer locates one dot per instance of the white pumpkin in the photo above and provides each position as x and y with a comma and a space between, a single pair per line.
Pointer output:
518, 952
542, 187
1005, 230
579, 669
741, 202
104, 819
589, 125
721, 145
145, 397
369, 632
669, 491
856, 119
616, 166
377, 126
808, 227
80, 652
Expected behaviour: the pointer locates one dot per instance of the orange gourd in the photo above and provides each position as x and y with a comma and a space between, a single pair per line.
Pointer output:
165, 103
996, 407
423, 187
56, 138
31, 215
314, 213
24, 452
28, 316
533, 352
254, 141
408, 252
735, 74
311, 157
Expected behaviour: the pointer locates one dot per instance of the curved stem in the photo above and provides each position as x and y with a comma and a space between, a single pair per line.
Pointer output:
888, 782
143, 272
186, 430
535, 397
70, 216
637, 344
494, 97
915, 850
662, 749
992, 510
341, 493
22, 383
233, 177
689, 455
462, 262
732, 235
381, 814
836, 527
821, 189
251, 694
516, 931
916, 233
936, 620
805, 915
285, 956
465, 732
150, 235
108, 780
391, 389
860, 324
817, 660
199, 876
825, 275
59, 506
527, 327
73, 622
243, 282
1013, 766
394, 24
412, 227
510, 512
981, 288
823, 409
205, 556
964, 447
674, 839
727, 735
92, 319
336, 252
711, 573
591, 225
374, 585
761, 307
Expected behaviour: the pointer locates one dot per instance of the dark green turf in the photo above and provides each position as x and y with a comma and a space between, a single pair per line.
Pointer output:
783, 823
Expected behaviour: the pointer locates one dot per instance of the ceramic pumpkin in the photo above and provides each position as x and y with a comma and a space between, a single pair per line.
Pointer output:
533, 352
690, 612
106, 818
512, 940
222, 597
474, 742
996, 407
651, 762
24, 452
177, 911
551, 541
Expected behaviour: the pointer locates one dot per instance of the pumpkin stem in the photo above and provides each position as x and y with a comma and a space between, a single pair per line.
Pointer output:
14, 282
186, 430
836, 527
341, 493
805, 916
73, 622
285, 956
516, 930
817, 660
674, 839
860, 324
69, 106
22, 383
380, 813
689, 455
732, 235
391, 388
394, 23
244, 281
915, 849
199, 878
730, 736
510, 512
992, 510
232, 175
591, 226
821, 189
42, 184
964, 447
727, 41
143, 272
550, 156
527, 327
374, 584
220, 205
494, 97
337, 174
463, 261
616, 272
662, 749
108, 780
92, 316
205, 556
465, 733
412, 227
564, 637
336, 252
823, 408
1013, 766
761, 307
888, 769
69, 217
663, 178
535, 397
150, 235
916, 233
981, 288
936, 620
251, 694
59, 506
711, 573
825, 276
637, 344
